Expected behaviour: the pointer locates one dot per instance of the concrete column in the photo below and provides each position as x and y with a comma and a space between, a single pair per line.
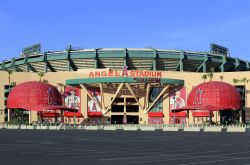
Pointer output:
216, 115
29, 117
240, 116
8, 115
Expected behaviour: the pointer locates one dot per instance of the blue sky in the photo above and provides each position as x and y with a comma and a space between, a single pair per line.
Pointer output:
177, 24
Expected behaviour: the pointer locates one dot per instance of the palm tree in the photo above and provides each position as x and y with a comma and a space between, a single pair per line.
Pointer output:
244, 80
211, 74
45, 81
9, 73
221, 77
204, 77
40, 74
235, 81
13, 84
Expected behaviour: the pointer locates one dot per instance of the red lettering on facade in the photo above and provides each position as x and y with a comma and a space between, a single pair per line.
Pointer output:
104, 74
97, 74
126, 72
147, 74
91, 75
132, 73
110, 74
159, 74
117, 74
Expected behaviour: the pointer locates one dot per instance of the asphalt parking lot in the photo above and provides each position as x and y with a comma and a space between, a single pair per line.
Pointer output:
121, 147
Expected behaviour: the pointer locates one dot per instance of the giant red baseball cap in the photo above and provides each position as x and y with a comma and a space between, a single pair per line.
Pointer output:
213, 96
35, 96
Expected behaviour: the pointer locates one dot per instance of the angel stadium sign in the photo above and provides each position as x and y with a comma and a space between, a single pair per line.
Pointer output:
126, 73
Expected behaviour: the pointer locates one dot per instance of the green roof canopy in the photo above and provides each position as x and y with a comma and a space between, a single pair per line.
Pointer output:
124, 80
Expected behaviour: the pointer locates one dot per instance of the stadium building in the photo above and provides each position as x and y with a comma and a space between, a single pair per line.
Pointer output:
124, 86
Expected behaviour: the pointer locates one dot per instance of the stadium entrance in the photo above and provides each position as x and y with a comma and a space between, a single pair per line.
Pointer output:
125, 110
125, 99
124, 119
231, 117
131, 119
116, 119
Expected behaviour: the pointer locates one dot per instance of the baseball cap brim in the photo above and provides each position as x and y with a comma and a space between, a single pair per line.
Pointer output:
47, 107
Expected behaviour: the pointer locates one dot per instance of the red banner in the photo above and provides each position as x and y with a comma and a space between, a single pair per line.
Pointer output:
92, 107
72, 97
177, 98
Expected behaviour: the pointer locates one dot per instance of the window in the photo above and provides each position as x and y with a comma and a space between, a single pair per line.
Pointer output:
118, 100
178, 120
158, 106
241, 89
117, 108
131, 100
155, 120
132, 108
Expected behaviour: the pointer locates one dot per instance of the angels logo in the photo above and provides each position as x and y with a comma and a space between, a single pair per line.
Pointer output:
125, 71
53, 97
92, 107
198, 98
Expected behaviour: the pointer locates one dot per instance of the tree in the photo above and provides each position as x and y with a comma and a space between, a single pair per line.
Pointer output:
13, 84
40, 74
9, 74
204, 77
235, 81
211, 74
244, 80
45, 81
221, 77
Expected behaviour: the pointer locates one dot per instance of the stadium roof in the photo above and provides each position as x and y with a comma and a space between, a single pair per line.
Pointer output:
134, 58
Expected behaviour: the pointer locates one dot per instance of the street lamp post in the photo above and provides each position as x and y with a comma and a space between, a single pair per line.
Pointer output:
74, 118
74, 112
174, 110
62, 90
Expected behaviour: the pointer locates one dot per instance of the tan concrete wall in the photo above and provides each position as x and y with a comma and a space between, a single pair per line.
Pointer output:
191, 79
